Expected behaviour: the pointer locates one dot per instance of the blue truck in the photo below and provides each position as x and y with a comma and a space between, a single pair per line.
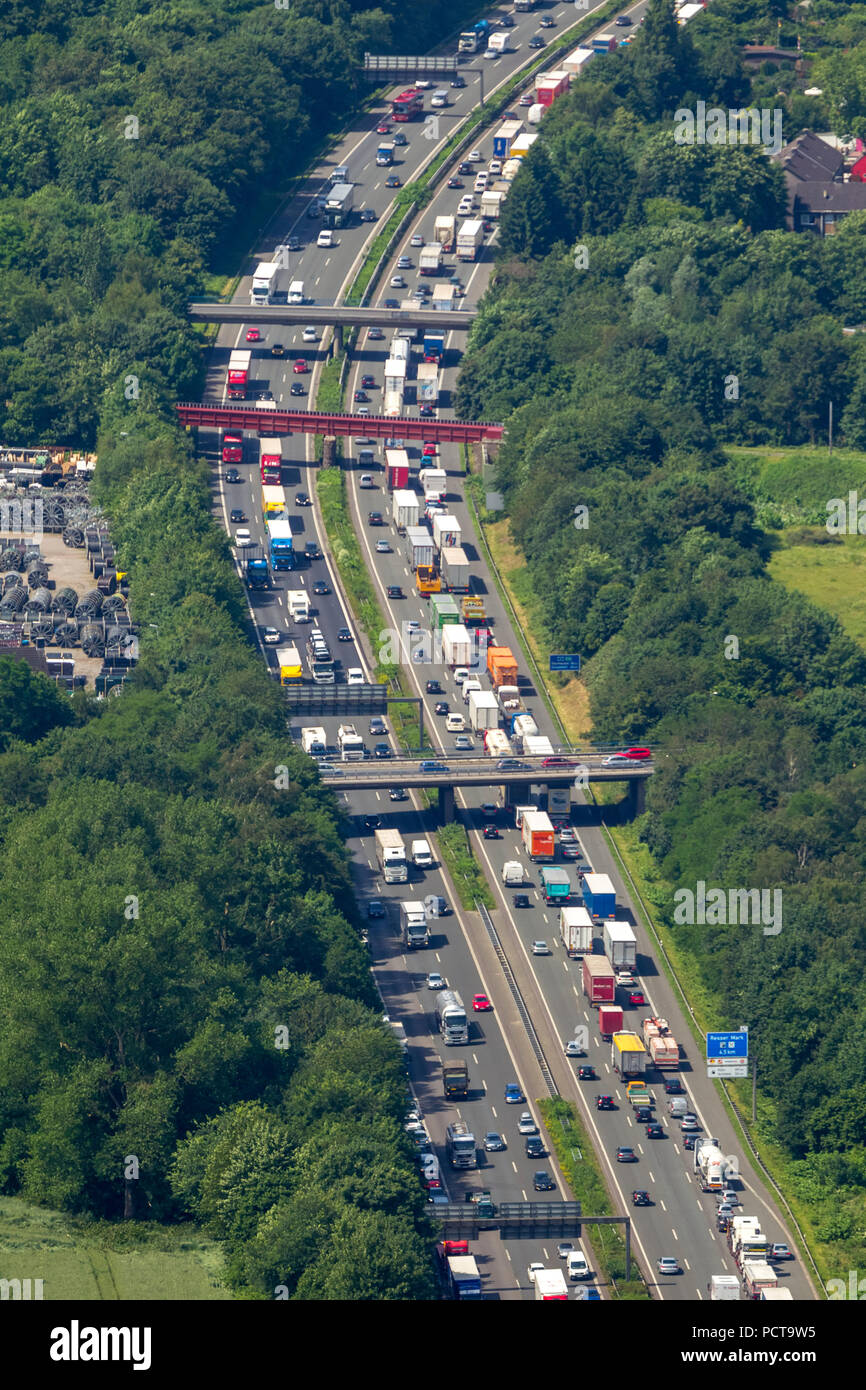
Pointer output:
434, 344
280, 544
257, 571
599, 895
474, 39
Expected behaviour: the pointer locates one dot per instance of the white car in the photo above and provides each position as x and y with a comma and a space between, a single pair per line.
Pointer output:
435, 980
397, 282
416, 239
533, 1270
243, 537
354, 676
729, 1197
325, 238
465, 207
526, 1124
474, 157
540, 948
366, 480
526, 100
383, 547
271, 637
495, 166
481, 183
310, 335
422, 84
439, 98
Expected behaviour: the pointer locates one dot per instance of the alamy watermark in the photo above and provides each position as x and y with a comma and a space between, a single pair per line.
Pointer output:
846, 516
738, 907
21, 518
748, 126
418, 646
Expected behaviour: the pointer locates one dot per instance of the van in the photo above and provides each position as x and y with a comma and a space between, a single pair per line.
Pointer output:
512, 873
678, 1107
296, 292
577, 1266
468, 687
421, 855
455, 723
366, 458
340, 174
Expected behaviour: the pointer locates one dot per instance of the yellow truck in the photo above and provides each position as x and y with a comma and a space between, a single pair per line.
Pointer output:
289, 662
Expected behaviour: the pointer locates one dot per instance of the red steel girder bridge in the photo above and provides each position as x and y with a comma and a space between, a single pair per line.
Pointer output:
276, 422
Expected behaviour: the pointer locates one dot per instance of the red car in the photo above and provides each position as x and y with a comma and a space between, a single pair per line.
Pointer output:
640, 755
636, 997
383, 129
300, 365
558, 762
253, 335
481, 1004
429, 451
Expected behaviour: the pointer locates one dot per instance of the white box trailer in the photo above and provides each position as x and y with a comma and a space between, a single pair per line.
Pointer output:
576, 62
454, 568
434, 482
483, 710
445, 231
469, 238
430, 258
456, 645
419, 546
510, 170
575, 928
446, 530
395, 374
404, 510
535, 113
724, 1288
620, 944
491, 204
264, 285
444, 297
427, 389
537, 745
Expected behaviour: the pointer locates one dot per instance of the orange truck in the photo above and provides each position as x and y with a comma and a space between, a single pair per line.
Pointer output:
502, 666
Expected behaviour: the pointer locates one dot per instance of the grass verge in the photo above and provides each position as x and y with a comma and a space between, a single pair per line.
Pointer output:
577, 1161
464, 868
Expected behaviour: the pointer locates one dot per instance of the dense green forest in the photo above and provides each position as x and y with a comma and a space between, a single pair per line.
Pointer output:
612, 372
189, 1027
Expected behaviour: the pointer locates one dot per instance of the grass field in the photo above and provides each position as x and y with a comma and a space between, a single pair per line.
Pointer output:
790, 486
832, 576
78, 1259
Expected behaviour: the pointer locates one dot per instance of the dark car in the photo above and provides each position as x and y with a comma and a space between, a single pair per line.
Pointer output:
455, 183
655, 1131
302, 500
643, 1115
392, 181
622, 21
521, 900
375, 519
673, 1086
625, 1154
443, 910
689, 1141
372, 822
382, 750
535, 1146
431, 765
505, 21
277, 349
361, 396
297, 389
400, 138
368, 381
511, 765
464, 168
433, 688
320, 587
398, 794
367, 215
426, 412
586, 1074
293, 243
232, 475
375, 908
641, 1199
394, 591
237, 515
543, 1182
440, 707
536, 41
344, 635
604, 1103
392, 304
490, 832
312, 551
458, 81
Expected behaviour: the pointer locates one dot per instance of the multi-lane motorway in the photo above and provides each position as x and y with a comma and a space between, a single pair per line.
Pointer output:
681, 1220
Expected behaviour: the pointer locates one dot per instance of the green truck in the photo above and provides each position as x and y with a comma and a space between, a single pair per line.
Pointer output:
638, 1094
484, 1208
455, 1078
443, 610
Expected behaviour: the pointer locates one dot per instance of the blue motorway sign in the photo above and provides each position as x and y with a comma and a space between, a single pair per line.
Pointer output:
727, 1047
565, 661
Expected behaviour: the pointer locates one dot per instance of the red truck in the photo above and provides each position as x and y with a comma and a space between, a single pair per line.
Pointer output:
397, 468
238, 372
609, 1021
233, 448
599, 981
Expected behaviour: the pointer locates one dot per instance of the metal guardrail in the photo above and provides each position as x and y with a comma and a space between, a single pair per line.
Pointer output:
534, 1040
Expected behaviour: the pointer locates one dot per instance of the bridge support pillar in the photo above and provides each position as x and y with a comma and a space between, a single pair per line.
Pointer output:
637, 797
446, 805
337, 340
329, 451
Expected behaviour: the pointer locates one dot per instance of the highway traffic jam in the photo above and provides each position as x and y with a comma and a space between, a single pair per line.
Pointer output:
607, 1019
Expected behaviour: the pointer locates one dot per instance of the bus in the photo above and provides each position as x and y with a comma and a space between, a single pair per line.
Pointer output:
407, 105
273, 502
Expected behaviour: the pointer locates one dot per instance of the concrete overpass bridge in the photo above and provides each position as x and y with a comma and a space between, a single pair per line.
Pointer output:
471, 771
337, 316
